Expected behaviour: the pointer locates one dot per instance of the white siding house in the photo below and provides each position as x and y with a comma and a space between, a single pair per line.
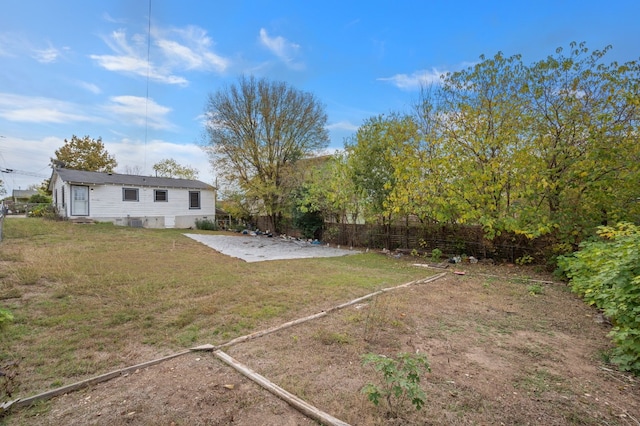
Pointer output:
131, 200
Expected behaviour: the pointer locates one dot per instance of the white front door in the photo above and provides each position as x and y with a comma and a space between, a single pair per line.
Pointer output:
79, 200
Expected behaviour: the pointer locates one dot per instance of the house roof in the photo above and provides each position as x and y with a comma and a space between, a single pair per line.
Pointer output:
99, 178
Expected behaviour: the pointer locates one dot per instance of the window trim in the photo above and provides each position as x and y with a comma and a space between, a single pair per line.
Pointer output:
124, 191
191, 206
160, 191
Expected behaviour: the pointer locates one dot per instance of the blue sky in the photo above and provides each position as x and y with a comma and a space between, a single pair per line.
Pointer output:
85, 67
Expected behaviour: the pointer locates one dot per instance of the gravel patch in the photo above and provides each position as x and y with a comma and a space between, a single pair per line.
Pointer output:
262, 248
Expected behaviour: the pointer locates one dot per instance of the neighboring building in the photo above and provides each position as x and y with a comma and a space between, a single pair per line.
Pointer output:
224, 219
131, 200
22, 195
18, 202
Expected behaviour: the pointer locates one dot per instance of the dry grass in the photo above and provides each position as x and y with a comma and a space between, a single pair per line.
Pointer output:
499, 355
88, 299
91, 298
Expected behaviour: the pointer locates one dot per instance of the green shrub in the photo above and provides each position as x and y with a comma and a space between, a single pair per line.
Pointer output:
436, 253
400, 380
606, 273
307, 222
39, 199
42, 210
206, 224
535, 289
524, 260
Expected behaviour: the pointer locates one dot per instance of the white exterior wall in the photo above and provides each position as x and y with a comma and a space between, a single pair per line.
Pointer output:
58, 202
106, 205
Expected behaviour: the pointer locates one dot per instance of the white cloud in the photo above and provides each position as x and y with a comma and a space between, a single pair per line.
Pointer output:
132, 110
139, 111
112, 20
421, 78
186, 49
193, 52
13, 44
415, 80
89, 87
33, 156
140, 155
42, 115
39, 110
342, 125
282, 48
133, 59
46, 56
202, 120
180, 53
26, 155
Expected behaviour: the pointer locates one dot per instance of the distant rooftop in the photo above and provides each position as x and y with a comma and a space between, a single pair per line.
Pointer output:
23, 193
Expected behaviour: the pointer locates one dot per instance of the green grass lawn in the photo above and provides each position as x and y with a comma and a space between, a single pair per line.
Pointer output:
87, 299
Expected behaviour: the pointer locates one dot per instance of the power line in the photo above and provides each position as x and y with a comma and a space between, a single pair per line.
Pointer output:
22, 172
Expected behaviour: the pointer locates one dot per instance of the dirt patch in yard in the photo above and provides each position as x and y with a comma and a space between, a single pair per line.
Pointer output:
502, 350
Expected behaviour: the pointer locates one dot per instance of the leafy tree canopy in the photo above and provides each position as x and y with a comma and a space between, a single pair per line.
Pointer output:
84, 154
544, 148
548, 148
330, 190
40, 198
170, 168
378, 154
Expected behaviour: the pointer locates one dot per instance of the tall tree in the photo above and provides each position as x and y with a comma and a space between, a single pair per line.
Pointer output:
170, 168
256, 129
84, 154
428, 185
380, 162
331, 191
585, 118
481, 124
